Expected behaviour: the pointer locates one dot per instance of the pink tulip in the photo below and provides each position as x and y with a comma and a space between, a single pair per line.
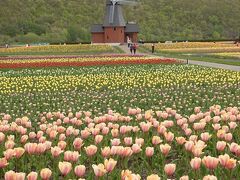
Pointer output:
32, 135
110, 164
85, 134
106, 151
209, 177
205, 136
91, 150
128, 141
126, 152
62, 144
3, 162
99, 170
170, 169
71, 156
105, 130
184, 178
41, 148
30, 148
9, 153
227, 162
221, 145
65, 167
165, 148
149, 151
136, 148
145, 126
10, 175
114, 133
180, 140
62, 137
9, 144
189, 145
45, 173
210, 162
24, 139
115, 142
169, 136
139, 141
98, 139
156, 140
161, 129
153, 177
80, 170
19, 152
77, 143
216, 127
32, 176
2, 137
196, 163
228, 137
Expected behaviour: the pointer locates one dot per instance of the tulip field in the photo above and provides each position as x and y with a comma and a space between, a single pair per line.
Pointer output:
117, 117
59, 49
195, 47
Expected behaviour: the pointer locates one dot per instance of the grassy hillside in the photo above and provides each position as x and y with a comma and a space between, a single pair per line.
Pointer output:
58, 21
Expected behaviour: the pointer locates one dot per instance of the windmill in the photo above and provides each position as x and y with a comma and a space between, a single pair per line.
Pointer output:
114, 28
114, 15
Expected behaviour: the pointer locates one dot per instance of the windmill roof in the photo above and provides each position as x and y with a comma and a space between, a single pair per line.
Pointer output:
97, 28
118, 16
131, 28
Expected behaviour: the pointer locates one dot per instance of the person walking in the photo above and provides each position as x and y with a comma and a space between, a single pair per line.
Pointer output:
128, 41
153, 48
131, 48
134, 48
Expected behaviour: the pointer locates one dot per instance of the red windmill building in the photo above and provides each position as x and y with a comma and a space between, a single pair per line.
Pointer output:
115, 29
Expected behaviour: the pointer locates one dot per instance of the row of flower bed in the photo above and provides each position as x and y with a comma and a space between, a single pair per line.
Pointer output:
83, 61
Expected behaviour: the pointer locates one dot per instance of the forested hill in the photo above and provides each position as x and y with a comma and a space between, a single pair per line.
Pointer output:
70, 20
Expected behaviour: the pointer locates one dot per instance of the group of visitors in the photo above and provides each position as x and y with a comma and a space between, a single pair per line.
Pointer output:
131, 46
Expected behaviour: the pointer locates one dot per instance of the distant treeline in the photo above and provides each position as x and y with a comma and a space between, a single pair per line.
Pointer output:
59, 21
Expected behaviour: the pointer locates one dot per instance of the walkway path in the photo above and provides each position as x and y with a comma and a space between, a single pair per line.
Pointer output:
215, 65
201, 63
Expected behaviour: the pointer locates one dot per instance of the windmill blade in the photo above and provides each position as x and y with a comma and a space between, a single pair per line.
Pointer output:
112, 11
127, 2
